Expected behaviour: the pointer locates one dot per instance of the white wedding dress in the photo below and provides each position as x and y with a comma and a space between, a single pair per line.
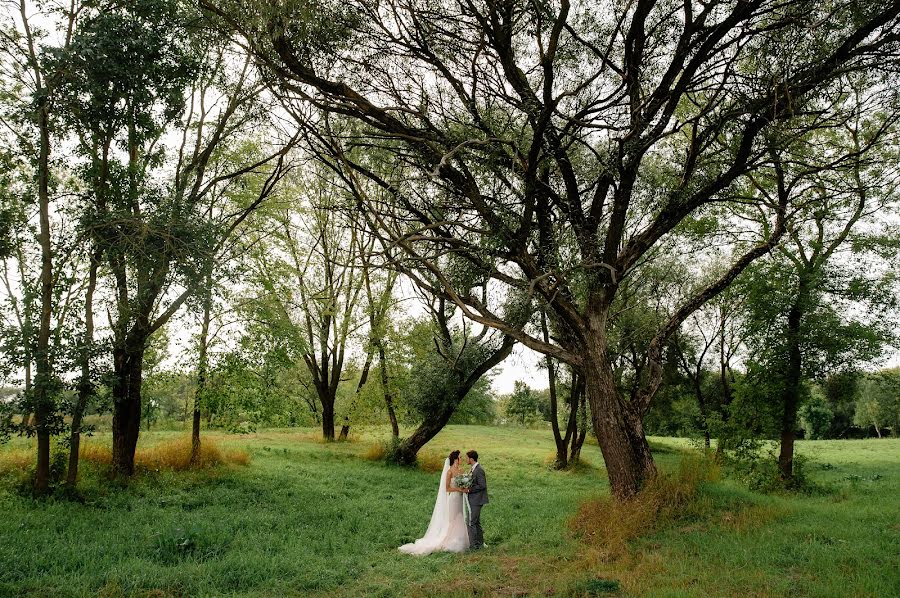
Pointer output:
447, 531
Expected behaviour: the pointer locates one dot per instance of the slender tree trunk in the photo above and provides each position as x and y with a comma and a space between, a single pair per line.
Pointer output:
562, 443
126, 391
388, 395
578, 439
791, 394
29, 386
363, 378
877, 430
85, 386
577, 428
202, 369
42, 398
619, 431
701, 402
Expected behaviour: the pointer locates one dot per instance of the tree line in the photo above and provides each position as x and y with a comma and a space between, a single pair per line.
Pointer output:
654, 196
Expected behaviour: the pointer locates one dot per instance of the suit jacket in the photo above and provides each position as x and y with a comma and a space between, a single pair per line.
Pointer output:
478, 491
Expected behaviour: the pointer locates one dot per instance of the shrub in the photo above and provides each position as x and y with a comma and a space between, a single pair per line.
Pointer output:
761, 473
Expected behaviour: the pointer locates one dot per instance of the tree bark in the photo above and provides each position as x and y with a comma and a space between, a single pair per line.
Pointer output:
580, 402
42, 399
202, 370
619, 431
791, 393
363, 378
388, 395
126, 391
327, 418
701, 402
85, 385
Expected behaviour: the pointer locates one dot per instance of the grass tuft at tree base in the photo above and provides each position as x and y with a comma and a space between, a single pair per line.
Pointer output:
610, 524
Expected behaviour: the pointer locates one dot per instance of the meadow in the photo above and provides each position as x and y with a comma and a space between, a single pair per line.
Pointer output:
303, 518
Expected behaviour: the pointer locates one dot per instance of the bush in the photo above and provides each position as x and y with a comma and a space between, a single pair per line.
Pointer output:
760, 471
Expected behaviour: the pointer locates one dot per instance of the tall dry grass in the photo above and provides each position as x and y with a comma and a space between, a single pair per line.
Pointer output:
427, 460
171, 455
15, 460
608, 525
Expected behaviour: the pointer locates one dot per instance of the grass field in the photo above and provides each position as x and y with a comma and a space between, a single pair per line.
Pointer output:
309, 519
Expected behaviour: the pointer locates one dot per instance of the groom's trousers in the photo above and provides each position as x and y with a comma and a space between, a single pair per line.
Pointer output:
476, 534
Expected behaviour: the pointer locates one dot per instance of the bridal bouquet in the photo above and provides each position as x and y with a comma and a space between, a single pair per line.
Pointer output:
463, 480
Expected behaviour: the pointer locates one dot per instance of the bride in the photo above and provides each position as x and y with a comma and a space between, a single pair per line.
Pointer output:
447, 530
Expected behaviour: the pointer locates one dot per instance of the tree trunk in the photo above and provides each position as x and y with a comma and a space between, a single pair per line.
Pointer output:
42, 398
577, 431
327, 418
363, 378
578, 439
409, 447
126, 391
85, 385
701, 402
791, 395
202, 368
388, 395
562, 443
619, 431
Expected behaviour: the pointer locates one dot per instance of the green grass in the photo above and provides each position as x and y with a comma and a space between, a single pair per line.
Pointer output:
305, 518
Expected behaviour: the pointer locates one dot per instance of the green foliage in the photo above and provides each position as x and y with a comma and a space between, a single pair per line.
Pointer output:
525, 406
816, 415
878, 402
479, 407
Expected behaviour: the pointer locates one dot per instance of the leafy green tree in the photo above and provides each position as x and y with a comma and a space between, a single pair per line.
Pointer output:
32, 80
816, 415
799, 321
556, 146
523, 405
878, 402
310, 285
479, 407
143, 75
447, 363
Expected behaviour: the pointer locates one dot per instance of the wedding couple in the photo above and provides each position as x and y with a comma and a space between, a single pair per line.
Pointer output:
448, 530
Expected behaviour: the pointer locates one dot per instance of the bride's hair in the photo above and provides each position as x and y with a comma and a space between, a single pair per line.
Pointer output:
453, 457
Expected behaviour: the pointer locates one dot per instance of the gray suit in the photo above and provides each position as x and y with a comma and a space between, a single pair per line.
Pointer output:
478, 497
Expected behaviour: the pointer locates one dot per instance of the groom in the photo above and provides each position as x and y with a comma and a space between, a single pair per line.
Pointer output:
477, 498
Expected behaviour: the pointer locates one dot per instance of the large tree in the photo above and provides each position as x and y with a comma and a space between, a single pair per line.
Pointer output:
31, 38
811, 309
155, 100
553, 145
